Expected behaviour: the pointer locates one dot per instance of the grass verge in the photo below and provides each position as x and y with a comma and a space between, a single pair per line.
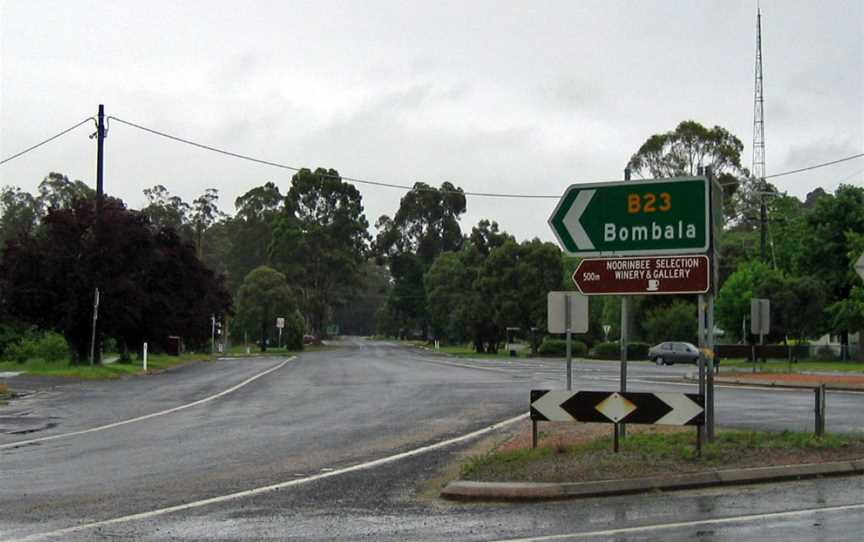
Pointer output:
778, 366
654, 451
155, 362
255, 351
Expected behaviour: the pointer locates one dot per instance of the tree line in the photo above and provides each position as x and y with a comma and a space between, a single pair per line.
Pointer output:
307, 255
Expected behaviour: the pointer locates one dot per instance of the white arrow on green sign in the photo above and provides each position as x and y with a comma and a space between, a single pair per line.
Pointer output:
656, 216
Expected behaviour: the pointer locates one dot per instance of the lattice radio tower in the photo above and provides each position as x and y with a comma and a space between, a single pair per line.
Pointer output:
758, 171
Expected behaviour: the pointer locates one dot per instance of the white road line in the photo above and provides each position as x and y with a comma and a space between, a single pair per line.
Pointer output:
147, 416
273, 487
693, 523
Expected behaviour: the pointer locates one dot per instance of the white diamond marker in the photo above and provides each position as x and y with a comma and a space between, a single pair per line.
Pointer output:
615, 407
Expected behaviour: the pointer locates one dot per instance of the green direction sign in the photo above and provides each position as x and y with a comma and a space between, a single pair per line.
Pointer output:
657, 216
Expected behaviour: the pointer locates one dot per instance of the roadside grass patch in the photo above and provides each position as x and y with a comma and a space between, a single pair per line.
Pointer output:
99, 372
783, 366
649, 451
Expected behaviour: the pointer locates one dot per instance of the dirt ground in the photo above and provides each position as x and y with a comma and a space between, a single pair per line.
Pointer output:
800, 378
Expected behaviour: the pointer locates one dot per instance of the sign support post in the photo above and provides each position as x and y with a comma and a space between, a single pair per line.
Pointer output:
621, 430
709, 395
701, 359
568, 327
567, 313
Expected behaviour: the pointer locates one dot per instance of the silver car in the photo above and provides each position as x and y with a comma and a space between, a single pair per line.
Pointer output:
673, 352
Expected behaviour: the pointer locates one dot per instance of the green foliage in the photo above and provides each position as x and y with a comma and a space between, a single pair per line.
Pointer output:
151, 284
675, 322
264, 296
514, 281
425, 225
606, 350
48, 347
457, 307
733, 302
295, 328
736, 249
167, 211
788, 233
358, 316
637, 350
612, 350
558, 347
250, 232
448, 291
848, 314
690, 146
19, 214
827, 248
9, 335
319, 242
491, 284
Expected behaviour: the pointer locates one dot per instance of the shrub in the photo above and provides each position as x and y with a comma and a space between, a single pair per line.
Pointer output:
49, 347
675, 322
826, 353
611, 350
558, 347
295, 328
637, 350
8, 337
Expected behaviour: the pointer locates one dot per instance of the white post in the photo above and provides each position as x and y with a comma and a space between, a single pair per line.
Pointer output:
145, 357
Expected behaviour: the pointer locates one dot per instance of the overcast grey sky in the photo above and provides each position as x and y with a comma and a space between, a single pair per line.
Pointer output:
496, 96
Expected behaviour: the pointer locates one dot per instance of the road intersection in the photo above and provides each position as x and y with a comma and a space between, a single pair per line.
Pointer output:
341, 443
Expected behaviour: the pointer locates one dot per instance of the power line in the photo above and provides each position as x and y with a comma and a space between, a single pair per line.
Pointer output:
351, 179
404, 186
817, 166
52, 138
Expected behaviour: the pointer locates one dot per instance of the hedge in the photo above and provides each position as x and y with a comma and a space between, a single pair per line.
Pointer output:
612, 350
558, 347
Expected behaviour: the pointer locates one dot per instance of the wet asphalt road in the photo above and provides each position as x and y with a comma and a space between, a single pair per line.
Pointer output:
355, 403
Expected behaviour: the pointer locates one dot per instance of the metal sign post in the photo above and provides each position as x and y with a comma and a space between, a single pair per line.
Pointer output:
760, 322
280, 323
621, 431
567, 313
709, 388
568, 327
701, 358
93, 331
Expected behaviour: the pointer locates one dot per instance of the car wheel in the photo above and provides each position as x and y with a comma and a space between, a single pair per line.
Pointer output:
659, 361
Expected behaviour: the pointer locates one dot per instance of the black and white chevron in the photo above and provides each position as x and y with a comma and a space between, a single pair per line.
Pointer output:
616, 407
